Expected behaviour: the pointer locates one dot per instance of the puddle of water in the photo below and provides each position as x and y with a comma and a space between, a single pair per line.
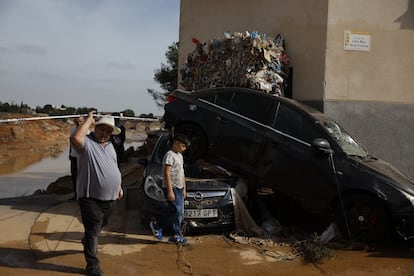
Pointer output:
34, 177
18, 164
17, 178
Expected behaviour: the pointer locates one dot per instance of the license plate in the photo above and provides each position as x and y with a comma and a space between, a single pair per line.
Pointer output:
200, 213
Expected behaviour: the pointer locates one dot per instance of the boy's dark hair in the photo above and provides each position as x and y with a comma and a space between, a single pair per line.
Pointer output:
182, 138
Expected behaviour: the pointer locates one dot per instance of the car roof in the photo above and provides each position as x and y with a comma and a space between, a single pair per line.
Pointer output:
298, 105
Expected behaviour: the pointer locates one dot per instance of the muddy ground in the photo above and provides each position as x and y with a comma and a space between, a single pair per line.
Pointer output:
21, 145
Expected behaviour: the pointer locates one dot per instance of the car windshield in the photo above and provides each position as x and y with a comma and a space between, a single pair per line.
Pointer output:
348, 144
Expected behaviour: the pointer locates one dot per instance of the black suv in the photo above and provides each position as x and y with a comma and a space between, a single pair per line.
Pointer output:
298, 153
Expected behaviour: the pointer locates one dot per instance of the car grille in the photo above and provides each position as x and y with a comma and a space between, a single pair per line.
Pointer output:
220, 200
205, 199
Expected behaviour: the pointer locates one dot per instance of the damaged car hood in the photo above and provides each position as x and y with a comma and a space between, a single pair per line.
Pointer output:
207, 184
385, 171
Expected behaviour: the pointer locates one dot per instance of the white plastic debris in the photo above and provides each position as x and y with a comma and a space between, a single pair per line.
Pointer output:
330, 233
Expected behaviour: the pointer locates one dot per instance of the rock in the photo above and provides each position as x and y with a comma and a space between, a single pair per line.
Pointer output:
62, 185
18, 133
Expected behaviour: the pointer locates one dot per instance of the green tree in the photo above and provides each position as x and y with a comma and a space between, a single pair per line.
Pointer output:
128, 113
84, 110
147, 115
70, 110
47, 108
166, 76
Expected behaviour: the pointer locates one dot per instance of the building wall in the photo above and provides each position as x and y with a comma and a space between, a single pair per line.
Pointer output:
386, 129
370, 93
383, 74
302, 23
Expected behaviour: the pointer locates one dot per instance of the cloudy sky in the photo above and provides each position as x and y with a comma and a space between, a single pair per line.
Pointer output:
84, 53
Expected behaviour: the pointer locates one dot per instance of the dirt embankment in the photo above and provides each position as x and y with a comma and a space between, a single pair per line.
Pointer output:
25, 142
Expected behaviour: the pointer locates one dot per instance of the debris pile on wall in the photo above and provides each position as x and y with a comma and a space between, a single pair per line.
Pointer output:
238, 60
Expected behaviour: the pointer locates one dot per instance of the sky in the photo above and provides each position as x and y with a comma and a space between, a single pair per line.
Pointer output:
85, 53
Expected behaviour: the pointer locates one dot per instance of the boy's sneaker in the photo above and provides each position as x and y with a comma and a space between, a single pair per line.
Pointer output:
156, 230
178, 240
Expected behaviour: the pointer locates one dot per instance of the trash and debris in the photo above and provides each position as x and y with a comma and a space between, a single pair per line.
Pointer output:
313, 250
330, 233
238, 60
244, 222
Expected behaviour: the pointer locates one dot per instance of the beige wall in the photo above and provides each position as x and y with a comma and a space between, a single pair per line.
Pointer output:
386, 72
302, 23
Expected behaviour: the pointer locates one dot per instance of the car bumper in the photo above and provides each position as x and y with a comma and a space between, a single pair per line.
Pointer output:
224, 221
150, 209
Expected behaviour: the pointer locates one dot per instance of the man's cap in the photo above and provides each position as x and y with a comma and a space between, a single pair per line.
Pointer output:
109, 121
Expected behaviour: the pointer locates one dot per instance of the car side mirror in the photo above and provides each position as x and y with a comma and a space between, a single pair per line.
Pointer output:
322, 145
143, 161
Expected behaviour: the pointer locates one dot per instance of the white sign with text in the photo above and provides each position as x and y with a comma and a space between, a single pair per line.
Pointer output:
357, 41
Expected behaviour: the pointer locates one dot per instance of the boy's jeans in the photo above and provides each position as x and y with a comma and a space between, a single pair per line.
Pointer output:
174, 215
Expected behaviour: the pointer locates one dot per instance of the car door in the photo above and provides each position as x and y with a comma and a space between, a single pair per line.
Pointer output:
294, 168
240, 130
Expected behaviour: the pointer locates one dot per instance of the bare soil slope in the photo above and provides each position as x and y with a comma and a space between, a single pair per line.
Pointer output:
26, 142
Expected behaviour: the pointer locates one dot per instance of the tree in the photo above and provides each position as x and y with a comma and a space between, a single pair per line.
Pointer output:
148, 115
48, 108
128, 113
166, 76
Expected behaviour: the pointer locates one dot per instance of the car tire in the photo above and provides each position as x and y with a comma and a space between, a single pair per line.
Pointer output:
367, 218
198, 147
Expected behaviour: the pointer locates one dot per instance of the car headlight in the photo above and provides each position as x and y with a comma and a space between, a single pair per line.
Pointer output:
152, 190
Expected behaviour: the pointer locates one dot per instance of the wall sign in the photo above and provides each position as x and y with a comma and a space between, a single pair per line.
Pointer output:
357, 41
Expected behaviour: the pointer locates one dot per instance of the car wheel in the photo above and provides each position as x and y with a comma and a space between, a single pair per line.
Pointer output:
367, 218
198, 147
